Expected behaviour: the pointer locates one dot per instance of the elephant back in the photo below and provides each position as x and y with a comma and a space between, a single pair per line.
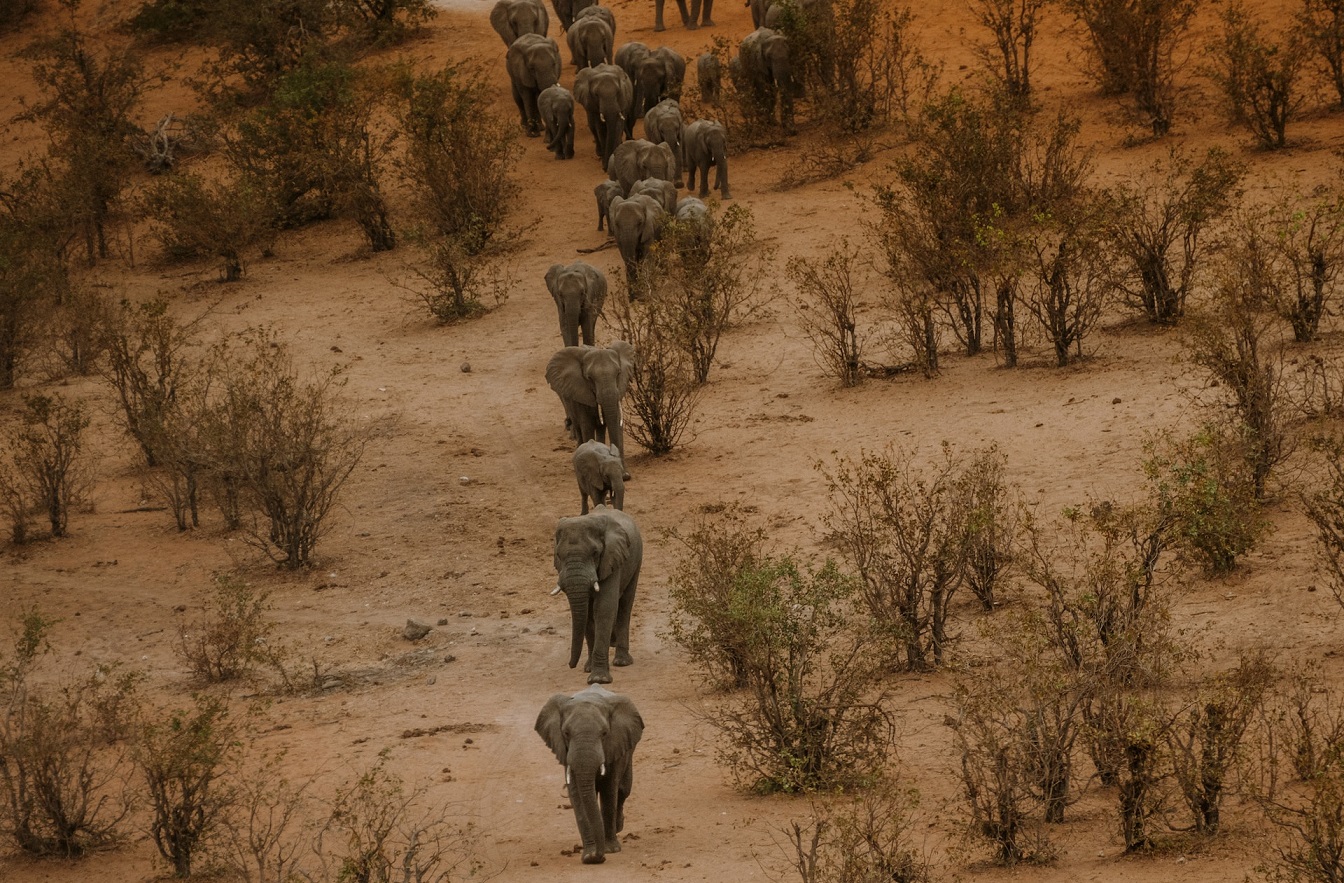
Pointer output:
601, 13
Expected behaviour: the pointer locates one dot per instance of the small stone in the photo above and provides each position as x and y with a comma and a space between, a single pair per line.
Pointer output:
429, 681
464, 480
465, 367
450, 658
1115, 401
469, 741
443, 621
536, 864
525, 611
415, 630
464, 613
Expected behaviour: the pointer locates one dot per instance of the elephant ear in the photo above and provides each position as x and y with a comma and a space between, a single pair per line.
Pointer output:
626, 728
615, 547
551, 275
626, 353
564, 372
499, 19
551, 725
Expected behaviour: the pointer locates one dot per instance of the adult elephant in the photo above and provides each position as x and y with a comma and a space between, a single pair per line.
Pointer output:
663, 125
568, 10
533, 62
660, 76
765, 65
555, 105
706, 145
513, 18
593, 734
601, 12
579, 290
597, 557
591, 381
689, 17
630, 58
590, 42
638, 159
635, 223
605, 92
759, 9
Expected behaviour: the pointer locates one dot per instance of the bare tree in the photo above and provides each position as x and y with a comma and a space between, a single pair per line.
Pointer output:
1013, 24
1260, 77
828, 309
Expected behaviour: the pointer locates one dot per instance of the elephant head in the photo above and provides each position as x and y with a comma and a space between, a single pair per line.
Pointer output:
658, 76
579, 290
513, 18
601, 12
593, 734
533, 62
597, 562
591, 381
605, 92
635, 223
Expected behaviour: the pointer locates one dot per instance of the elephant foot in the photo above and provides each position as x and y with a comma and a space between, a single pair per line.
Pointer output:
613, 845
692, 26
656, 28
708, 23
599, 677
593, 858
623, 658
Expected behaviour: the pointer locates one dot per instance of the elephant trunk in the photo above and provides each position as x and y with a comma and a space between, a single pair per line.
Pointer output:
578, 614
583, 783
570, 325
609, 407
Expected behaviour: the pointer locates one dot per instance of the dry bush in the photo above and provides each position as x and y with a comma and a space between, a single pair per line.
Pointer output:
255, 43
1324, 505
813, 716
88, 94
63, 765
48, 468
708, 618
33, 273
991, 525
1321, 24
1072, 281
1134, 42
1135, 725
235, 635
1305, 238
222, 219
78, 330
1260, 77
828, 310
458, 283
185, 757
1008, 60
13, 11
1159, 225
266, 832
864, 838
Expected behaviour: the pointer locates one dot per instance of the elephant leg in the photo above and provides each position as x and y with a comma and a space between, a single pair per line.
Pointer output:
707, 20
610, 799
704, 178
604, 610
623, 789
522, 105
591, 635
588, 323
533, 112
622, 636
583, 502
658, 16
686, 19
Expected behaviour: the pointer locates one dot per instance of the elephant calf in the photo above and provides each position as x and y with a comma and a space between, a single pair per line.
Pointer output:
599, 471
593, 734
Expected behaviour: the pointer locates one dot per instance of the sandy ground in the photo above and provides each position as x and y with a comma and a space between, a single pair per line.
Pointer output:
451, 514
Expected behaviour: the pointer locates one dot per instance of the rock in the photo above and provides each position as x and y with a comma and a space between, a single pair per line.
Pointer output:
429, 681
443, 621
450, 658
1115, 401
464, 480
466, 367
415, 630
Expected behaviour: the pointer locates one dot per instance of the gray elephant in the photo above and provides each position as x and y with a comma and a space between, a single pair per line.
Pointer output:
568, 10
768, 73
663, 125
589, 42
513, 18
555, 105
593, 734
688, 17
605, 92
665, 192
691, 211
630, 58
709, 77
706, 145
533, 62
597, 557
638, 159
579, 290
635, 223
660, 76
601, 12
605, 193
759, 9
591, 381
599, 471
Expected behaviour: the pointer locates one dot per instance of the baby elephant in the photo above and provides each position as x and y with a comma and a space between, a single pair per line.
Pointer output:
599, 470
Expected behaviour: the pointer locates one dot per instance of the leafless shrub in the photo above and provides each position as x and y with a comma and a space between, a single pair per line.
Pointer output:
235, 635
1072, 282
1325, 507
828, 310
48, 470
78, 330
991, 525
1013, 25
459, 283
1306, 241
33, 272
1134, 42
1321, 23
864, 838
1260, 77
1159, 226
265, 834
223, 219
185, 756
707, 620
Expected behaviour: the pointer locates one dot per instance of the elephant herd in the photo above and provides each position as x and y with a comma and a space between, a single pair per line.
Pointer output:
599, 553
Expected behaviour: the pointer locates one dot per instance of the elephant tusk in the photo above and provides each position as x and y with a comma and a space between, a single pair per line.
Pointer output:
556, 590
566, 775
602, 770
597, 587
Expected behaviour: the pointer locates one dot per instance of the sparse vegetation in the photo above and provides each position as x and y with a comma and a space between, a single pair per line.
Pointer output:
48, 469
1321, 23
1008, 59
222, 219
235, 635
861, 838
828, 310
1260, 76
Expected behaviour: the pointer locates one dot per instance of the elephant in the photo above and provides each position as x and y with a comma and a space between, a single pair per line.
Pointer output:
688, 17
709, 77
513, 18
665, 192
598, 469
636, 223
638, 159
605, 193
691, 210
663, 125
630, 58
660, 76
579, 290
568, 11
705, 145
813, 23
597, 557
591, 381
759, 9
555, 105
765, 65
533, 63
593, 734
605, 92
589, 42
601, 12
